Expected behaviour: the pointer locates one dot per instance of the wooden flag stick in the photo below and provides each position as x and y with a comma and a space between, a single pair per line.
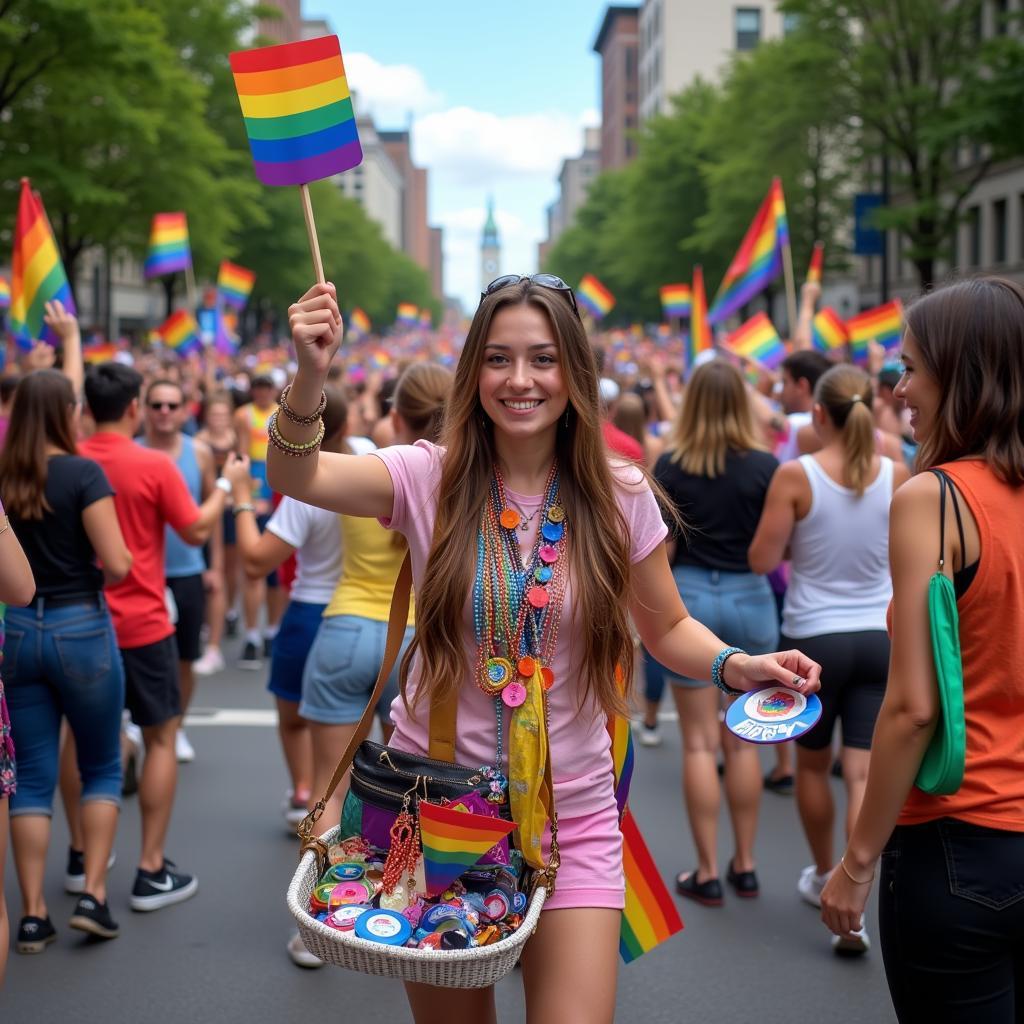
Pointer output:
787, 266
314, 244
190, 287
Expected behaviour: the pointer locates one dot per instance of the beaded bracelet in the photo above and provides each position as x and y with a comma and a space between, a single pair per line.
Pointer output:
718, 665
282, 444
302, 421
245, 506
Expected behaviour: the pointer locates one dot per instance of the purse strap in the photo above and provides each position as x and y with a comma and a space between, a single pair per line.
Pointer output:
946, 484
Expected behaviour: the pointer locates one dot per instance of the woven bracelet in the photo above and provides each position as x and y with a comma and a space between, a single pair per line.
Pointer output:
718, 665
282, 444
302, 421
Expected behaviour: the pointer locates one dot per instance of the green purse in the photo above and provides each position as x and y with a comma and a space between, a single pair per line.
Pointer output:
942, 768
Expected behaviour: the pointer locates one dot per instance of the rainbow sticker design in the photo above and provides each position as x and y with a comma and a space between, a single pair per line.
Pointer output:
772, 715
775, 704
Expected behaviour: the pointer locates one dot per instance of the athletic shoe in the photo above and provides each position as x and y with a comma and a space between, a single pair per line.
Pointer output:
268, 647
810, 885
781, 784
294, 810
301, 956
74, 876
94, 917
156, 889
250, 658
133, 758
856, 945
35, 934
231, 624
183, 750
210, 663
650, 735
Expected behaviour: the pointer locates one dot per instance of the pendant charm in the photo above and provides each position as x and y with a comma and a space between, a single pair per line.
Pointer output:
556, 514
497, 675
509, 519
513, 695
538, 597
548, 554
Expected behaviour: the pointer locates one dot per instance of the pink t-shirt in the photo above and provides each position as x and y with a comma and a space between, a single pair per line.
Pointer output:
580, 747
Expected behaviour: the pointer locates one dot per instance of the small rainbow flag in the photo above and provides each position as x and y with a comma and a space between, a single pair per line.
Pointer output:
828, 330
235, 284
5, 292
426, 318
407, 313
455, 841
759, 259
594, 297
758, 340
882, 324
169, 249
817, 263
181, 332
675, 300
700, 332
101, 352
359, 323
37, 274
298, 111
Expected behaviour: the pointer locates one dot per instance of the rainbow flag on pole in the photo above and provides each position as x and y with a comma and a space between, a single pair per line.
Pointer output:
169, 249
700, 331
234, 283
759, 259
594, 297
828, 330
298, 111
5, 292
37, 274
99, 352
359, 323
407, 313
758, 340
883, 324
817, 263
675, 300
181, 332
454, 842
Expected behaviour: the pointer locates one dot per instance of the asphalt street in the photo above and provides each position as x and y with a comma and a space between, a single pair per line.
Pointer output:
221, 956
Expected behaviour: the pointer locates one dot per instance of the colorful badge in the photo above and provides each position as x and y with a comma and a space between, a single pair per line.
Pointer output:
772, 715
383, 926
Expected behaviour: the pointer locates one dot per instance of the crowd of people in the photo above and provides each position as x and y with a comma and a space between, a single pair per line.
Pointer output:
157, 506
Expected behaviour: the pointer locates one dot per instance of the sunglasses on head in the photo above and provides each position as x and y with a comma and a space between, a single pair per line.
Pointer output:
167, 406
544, 280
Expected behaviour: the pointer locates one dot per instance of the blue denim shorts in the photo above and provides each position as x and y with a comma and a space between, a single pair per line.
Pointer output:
292, 645
736, 606
342, 668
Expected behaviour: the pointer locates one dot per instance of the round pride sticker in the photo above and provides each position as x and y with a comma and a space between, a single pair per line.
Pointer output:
772, 715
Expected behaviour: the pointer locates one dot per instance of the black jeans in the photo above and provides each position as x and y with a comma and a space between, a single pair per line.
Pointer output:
951, 916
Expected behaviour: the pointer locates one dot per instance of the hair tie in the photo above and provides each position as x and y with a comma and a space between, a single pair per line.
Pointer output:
856, 398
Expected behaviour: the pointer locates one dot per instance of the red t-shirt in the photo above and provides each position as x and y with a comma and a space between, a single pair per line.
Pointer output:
621, 443
149, 493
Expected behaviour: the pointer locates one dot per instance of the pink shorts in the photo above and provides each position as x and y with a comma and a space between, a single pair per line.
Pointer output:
591, 871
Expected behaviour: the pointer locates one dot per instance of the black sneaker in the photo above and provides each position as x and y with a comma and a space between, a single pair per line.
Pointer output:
94, 917
74, 876
781, 784
250, 658
35, 934
231, 625
268, 646
156, 889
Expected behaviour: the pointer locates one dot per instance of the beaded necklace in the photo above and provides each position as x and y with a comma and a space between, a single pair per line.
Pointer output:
517, 608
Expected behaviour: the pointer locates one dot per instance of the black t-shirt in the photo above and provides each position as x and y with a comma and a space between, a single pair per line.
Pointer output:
721, 514
57, 547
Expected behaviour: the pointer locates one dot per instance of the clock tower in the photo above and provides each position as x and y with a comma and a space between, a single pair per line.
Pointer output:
490, 249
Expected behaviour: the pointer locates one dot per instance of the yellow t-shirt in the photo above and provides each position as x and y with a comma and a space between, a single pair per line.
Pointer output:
369, 567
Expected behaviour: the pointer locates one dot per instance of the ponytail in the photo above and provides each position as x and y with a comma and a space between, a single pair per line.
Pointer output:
845, 393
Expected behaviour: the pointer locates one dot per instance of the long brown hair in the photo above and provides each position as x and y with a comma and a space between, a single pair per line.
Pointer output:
41, 415
714, 419
631, 416
971, 338
420, 398
598, 535
335, 421
846, 395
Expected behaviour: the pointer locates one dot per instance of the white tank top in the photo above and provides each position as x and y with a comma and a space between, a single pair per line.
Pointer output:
840, 581
789, 447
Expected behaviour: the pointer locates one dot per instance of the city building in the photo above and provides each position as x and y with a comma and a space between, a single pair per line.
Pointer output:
574, 181
287, 28
415, 230
437, 261
314, 28
490, 248
617, 44
681, 39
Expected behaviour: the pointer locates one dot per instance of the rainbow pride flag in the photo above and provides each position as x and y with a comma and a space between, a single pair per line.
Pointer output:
758, 340
169, 249
817, 263
5, 292
407, 313
37, 274
234, 283
594, 297
455, 841
883, 324
426, 318
298, 110
359, 323
675, 300
181, 332
101, 352
700, 331
828, 330
759, 258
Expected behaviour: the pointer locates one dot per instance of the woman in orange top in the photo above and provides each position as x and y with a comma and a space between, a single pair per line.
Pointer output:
951, 892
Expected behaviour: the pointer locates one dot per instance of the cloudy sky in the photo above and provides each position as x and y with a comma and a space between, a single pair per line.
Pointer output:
496, 101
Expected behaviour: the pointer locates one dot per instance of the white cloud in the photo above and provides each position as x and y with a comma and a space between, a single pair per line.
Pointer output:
389, 92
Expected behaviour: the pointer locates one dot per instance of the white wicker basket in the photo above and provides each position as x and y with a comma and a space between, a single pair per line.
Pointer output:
462, 968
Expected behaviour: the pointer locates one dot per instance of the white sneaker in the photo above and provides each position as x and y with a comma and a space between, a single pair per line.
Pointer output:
293, 812
210, 663
810, 885
133, 734
183, 750
856, 945
301, 956
650, 735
